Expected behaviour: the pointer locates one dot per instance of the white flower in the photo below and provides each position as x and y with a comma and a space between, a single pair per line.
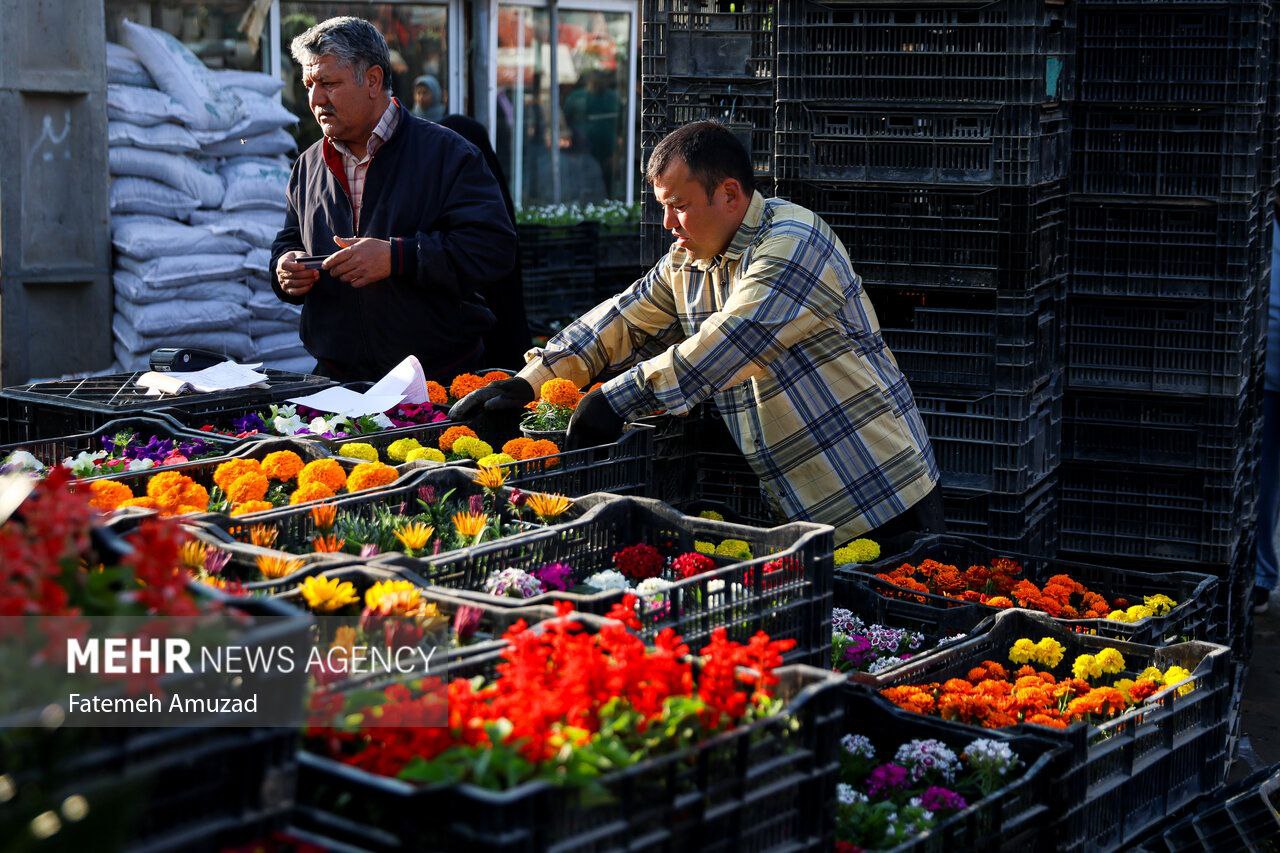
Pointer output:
515, 583
991, 755
21, 460
651, 588
287, 425
848, 796
140, 464
381, 421
607, 580
859, 745
922, 757
82, 465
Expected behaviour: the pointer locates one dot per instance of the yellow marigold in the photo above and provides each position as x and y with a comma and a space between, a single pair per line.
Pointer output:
857, 551
250, 507
310, 492
370, 475
436, 393
325, 471
282, 465
108, 494
542, 448
373, 595
452, 434
248, 487
516, 446
493, 460
1086, 667
325, 595
274, 568
1023, 651
1049, 652
424, 454
1124, 685
560, 392
141, 503
231, 470
1153, 674
1159, 604
359, 450
496, 376
1110, 660
464, 383
704, 547
472, 448
734, 549
711, 515
399, 449
1175, 674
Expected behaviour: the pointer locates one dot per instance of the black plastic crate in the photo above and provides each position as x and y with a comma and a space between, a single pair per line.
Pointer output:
1145, 249
557, 247
1023, 522
1018, 814
1192, 517
878, 51
741, 597
559, 294
1129, 773
757, 787
1211, 154
1191, 619
968, 340
1243, 816
71, 406
1173, 53
618, 249
1202, 347
746, 109
1166, 431
52, 451
993, 440
1000, 146
701, 40
1004, 239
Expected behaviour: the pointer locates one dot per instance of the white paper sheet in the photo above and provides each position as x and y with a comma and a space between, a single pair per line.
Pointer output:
220, 377
405, 379
343, 401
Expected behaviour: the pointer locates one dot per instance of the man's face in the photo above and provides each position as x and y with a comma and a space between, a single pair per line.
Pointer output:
702, 226
344, 108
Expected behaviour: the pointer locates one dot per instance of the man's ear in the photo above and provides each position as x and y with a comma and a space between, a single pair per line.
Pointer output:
373, 79
733, 194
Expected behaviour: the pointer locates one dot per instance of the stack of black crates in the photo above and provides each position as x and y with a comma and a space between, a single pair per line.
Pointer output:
934, 139
1170, 227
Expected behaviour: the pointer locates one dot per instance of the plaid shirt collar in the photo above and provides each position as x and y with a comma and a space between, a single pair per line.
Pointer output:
381, 133
742, 238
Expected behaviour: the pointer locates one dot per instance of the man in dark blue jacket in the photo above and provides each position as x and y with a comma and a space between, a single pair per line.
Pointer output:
410, 217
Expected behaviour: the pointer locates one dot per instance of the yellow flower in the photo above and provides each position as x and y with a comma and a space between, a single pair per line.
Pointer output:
1152, 673
1110, 660
1023, 651
1049, 652
1086, 667
711, 515
1138, 612
1175, 674
489, 478
493, 460
1159, 604
399, 449
344, 638
1117, 616
325, 595
1125, 685
472, 448
251, 507
263, 536
414, 536
373, 595
704, 547
192, 554
359, 450
858, 551
424, 454
734, 549
274, 568
470, 524
547, 507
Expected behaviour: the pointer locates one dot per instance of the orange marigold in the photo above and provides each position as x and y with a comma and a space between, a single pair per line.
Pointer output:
177, 494
542, 447
231, 470
516, 446
496, 376
314, 491
248, 487
452, 434
324, 471
560, 392
282, 465
464, 383
108, 494
251, 506
437, 394
370, 475
142, 503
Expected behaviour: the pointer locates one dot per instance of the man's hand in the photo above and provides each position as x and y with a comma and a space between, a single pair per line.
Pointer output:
594, 422
361, 260
295, 279
505, 395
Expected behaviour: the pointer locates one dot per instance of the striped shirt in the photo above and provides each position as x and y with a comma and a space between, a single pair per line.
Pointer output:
778, 330
357, 168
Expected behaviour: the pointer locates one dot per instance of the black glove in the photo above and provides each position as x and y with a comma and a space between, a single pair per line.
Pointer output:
505, 395
593, 422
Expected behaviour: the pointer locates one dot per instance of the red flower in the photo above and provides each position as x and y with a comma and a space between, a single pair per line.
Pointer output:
692, 563
639, 562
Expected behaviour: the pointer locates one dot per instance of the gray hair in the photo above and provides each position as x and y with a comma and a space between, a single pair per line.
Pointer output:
354, 42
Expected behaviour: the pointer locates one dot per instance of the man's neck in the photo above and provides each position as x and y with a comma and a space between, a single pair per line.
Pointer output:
359, 147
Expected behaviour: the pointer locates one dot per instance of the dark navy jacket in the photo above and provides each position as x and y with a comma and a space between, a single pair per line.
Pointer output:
429, 191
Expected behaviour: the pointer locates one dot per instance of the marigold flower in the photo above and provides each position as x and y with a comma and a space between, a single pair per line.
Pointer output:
452, 434
327, 544
560, 392
313, 491
704, 547
1152, 673
398, 450
1175, 674
250, 486
327, 472
858, 551
374, 595
228, 472
359, 450
495, 460
437, 394
1086, 667
470, 524
472, 448
999, 601
281, 465
495, 376
712, 515
414, 536
140, 503
262, 535
548, 507
464, 383
108, 494
251, 507
540, 449
516, 446
370, 475
274, 568
734, 549
1049, 652
424, 454
325, 595
1110, 660
324, 516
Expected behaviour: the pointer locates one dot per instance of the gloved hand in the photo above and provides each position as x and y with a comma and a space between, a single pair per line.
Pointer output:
593, 422
505, 395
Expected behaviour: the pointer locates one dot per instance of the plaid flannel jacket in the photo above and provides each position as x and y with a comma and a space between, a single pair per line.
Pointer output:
780, 332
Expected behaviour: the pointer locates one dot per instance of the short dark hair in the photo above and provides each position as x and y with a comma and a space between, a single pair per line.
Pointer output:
711, 152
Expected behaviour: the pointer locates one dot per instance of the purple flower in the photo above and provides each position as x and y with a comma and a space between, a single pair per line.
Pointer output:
427, 494
886, 778
517, 499
215, 561
465, 622
554, 575
476, 503
249, 423
857, 651
938, 799
369, 549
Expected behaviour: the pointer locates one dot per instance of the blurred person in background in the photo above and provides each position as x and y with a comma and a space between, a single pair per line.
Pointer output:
428, 98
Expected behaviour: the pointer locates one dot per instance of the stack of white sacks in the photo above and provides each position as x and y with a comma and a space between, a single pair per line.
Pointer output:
199, 165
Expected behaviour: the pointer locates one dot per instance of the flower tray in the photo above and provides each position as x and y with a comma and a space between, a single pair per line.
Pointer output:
762, 785
1018, 814
51, 451
1243, 816
1127, 774
886, 603
738, 595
